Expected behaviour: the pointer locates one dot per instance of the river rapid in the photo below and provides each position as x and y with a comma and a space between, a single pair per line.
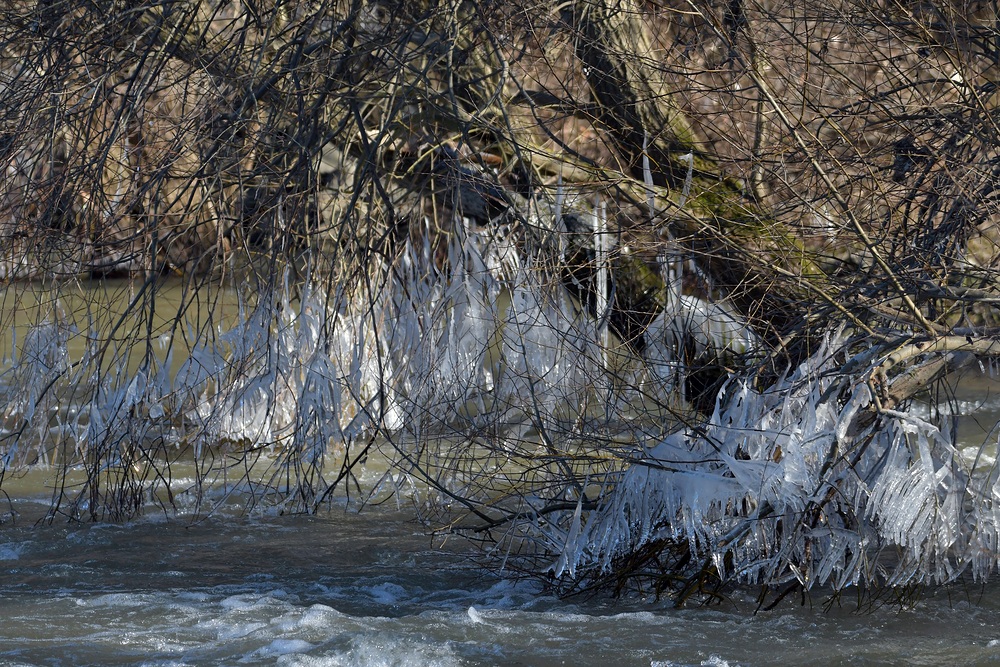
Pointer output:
372, 588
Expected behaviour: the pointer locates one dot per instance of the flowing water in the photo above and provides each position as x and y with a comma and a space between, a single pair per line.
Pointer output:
373, 589
343, 587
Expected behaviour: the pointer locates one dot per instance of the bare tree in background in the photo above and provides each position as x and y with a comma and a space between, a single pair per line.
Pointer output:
563, 266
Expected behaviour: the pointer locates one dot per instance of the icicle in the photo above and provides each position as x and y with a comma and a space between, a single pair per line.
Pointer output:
686, 191
647, 177
601, 258
558, 221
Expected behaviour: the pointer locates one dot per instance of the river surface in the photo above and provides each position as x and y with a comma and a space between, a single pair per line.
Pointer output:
374, 588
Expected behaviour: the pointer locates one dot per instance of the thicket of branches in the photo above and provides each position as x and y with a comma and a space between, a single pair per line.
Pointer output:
641, 238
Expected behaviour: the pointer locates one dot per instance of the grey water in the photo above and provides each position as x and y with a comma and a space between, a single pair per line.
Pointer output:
373, 588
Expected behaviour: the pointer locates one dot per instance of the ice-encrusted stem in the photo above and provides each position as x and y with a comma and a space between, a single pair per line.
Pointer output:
602, 307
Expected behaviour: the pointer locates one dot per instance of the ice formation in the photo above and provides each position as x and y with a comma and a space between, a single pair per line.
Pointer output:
800, 481
793, 485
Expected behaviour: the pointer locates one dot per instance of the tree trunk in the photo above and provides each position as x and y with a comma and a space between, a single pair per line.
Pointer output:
708, 214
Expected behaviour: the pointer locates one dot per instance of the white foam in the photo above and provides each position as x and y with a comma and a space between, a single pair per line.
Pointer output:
379, 651
712, 661
715, 661
283, 647
318, 616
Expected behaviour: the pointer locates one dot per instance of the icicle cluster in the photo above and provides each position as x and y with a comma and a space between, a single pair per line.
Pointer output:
792, 484
486, 339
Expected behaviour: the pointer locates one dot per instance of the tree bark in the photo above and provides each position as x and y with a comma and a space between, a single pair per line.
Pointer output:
709, 215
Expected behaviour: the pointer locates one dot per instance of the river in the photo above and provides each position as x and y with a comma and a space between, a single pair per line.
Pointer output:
374, 587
